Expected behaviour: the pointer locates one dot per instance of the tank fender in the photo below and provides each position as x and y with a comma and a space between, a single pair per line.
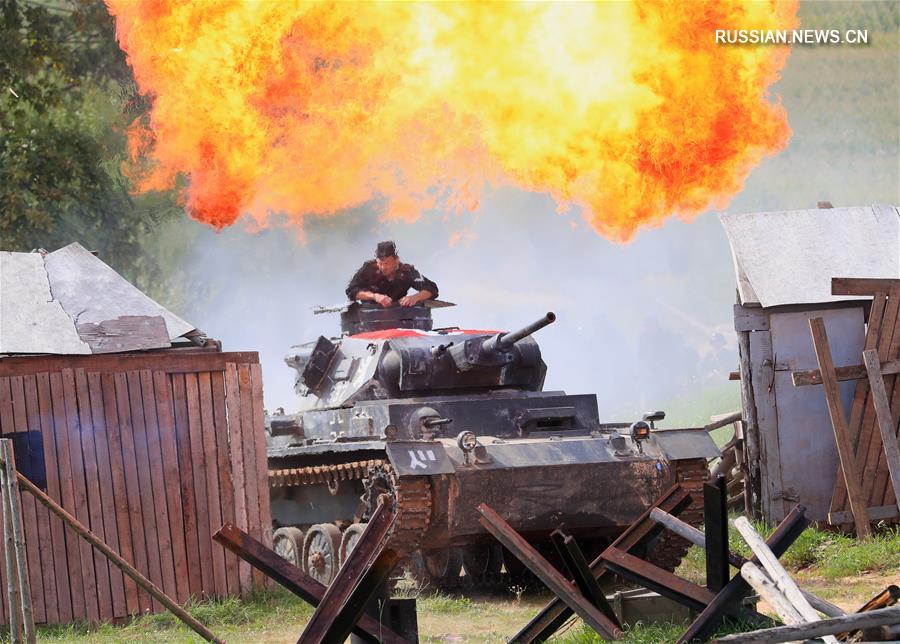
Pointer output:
678, 444
418, 458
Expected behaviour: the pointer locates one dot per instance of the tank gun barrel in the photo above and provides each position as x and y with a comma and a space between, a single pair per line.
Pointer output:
505, 340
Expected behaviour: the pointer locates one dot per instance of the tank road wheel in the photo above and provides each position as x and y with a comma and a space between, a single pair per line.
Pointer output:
348, 540
320, 552
288, 544
436, 569
481, 561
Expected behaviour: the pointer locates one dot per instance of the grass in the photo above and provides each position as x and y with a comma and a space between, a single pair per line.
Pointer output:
227, 618
830, 564
818, 552
443, 604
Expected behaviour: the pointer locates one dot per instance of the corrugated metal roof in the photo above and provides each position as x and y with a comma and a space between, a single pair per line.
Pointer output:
789, 257
71, 302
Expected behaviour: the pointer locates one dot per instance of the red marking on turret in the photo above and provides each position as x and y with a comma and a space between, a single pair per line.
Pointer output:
387, 334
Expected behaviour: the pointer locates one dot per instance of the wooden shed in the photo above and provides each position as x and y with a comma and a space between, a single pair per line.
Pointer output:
784, 262
153, 450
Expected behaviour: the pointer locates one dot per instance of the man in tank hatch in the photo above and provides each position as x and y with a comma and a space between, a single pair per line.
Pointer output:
385, 280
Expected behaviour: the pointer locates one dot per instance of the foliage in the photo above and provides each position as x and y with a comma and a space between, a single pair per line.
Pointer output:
66, 94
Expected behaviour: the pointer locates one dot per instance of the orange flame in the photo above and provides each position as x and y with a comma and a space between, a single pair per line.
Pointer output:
630, 111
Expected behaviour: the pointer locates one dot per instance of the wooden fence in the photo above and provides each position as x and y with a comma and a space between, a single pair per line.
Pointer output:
154, 452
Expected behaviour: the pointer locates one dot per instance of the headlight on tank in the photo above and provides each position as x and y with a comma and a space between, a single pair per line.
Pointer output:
467, 441
640, 431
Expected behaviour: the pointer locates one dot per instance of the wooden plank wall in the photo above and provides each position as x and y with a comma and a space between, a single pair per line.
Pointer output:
883, 336
154, 453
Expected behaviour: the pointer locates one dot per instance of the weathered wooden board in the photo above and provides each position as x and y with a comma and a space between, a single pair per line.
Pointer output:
842, 437
186, 485
92, 492
146, 458
23, 421
861, 285
750, 318
763, 377
857, 406
168, 452
126, 333
887, 422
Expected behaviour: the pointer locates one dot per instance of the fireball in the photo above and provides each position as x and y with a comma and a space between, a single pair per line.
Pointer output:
629, 112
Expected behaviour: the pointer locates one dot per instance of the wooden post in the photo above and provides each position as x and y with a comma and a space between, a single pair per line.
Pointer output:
697, 538
778, 574
802, 632
886, 424
114, 557
841, 431
14, 603
15, 512
736, 589
752, 491
679, 527
766, 589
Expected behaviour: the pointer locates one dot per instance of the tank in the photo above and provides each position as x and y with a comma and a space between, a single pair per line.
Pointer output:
443, 420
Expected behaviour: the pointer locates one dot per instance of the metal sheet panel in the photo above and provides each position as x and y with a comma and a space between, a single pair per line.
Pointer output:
677, 444
91, 291
790, 257
31, 321
806, 445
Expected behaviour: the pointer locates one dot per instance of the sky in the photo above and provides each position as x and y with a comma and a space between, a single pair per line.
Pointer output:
646, 325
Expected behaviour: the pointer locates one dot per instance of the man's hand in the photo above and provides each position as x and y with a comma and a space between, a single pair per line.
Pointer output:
385, 301
412, 300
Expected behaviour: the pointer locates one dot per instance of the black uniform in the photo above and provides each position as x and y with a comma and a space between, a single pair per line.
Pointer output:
369, 278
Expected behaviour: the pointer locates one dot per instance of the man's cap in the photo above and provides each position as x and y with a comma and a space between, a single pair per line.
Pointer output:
385, 249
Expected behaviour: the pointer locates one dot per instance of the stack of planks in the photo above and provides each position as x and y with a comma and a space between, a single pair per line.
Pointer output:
733, 464
800, 610
153, 452
869, 478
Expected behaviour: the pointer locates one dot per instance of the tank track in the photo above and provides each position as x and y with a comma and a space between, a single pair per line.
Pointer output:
411, 495
670, 549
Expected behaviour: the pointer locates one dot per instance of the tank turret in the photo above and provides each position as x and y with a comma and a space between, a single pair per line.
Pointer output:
493, 351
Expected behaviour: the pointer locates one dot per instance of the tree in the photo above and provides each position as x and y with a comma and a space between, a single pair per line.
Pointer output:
66, 94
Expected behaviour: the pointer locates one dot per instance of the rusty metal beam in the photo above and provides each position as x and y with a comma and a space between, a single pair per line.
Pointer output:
362, 574
656, 579
581, 573
292, 578
715, 520
556, 612
545, 571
